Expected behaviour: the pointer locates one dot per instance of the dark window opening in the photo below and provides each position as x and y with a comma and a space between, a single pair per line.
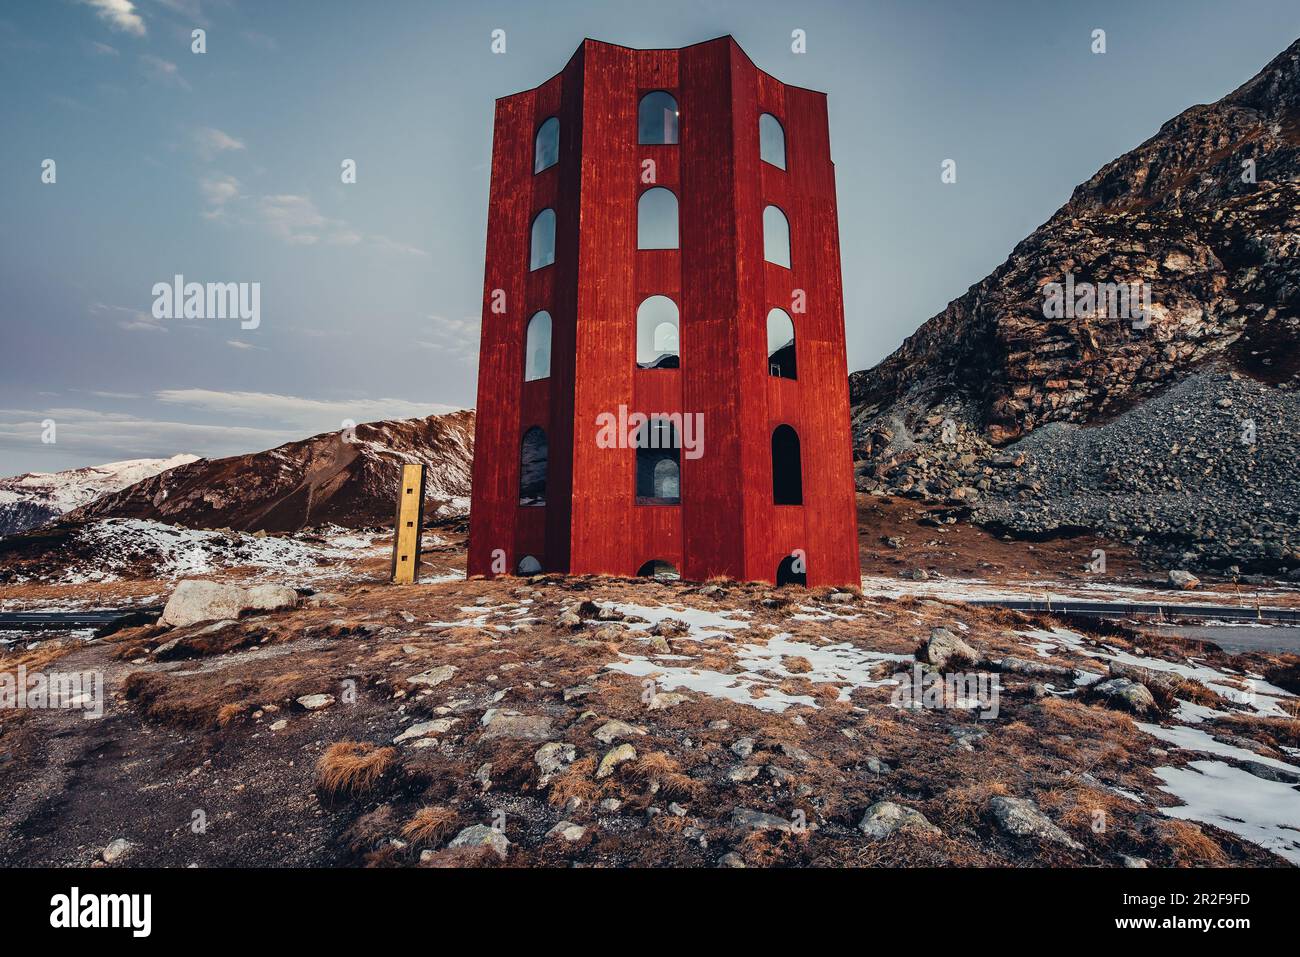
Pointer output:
658, 464
657, 119
656, 568
787, 575
787, 478
532, 468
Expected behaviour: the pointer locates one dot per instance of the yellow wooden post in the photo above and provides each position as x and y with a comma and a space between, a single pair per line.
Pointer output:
409, 521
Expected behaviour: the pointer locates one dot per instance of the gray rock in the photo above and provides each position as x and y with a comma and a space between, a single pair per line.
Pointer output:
432, 677
612, 731
479, 835
751, 820
518, 727
743, 748
314, 702
731, 859
1021, 818
743, 773
194, 600
568, 831
1184, 580
1128, 693
555, 757
271, 598
613, 758
885, 818
424, 728
944, 648
117, 849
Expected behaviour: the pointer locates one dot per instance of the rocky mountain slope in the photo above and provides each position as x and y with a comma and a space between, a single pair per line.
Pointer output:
1219, 255
1203, 222
35, 498
332, 478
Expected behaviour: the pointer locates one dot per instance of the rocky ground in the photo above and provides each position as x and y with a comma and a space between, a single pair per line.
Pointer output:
1201, 476
603, 722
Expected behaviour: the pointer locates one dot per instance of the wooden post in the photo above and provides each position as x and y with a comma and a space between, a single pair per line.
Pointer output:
407, 525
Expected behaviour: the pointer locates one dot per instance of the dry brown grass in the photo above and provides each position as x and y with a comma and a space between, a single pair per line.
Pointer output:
661, 770
1190, 845
578, 780
429, 825
351, 768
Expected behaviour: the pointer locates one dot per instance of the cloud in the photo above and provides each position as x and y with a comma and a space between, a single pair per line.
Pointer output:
163, 72
210, 141
119, 14
393, 246
95, 436
456, 337
218, 190
297, 221
103, 49
309, 416
241, 344
128, 318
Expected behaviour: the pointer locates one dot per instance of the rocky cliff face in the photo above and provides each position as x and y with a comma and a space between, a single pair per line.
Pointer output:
331, 478
36, 498
1204, 217
1174, 427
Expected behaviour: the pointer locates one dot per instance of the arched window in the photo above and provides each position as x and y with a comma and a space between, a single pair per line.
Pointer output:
657, 341
776, 237
528, 565
787, 478
771, 140
656, 568
532, 468
546, 148
537, 347
658, 463
657, 119
780, 345
543, 247
656, 219
790, 573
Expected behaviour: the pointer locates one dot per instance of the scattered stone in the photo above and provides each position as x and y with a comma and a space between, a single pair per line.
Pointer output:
1183, 580
885, 817
314, 702
1020, 817
751, 820
279, 725
116, 850
578, 691
743, 748
1128, 861
877, 766
944, 648
731, 859
480, 835
610, 805
425, 728
518, 727
554, 757
195, 600
669, 699
613, 758
568, 830
432, 677
612, 731
743, 773
1127, 693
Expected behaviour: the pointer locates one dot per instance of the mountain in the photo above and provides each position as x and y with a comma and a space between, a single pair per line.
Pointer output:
1205, 214
330, 478
35, 498
1133, 367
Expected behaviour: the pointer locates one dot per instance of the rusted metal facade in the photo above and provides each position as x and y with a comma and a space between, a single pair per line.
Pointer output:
726, 522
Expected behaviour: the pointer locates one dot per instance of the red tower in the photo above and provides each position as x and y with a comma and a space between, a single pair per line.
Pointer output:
662, 241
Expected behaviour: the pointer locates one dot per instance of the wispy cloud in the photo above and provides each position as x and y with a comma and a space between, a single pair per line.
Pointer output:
318, 415
456, 337
218, 191
127, 318
163, 72
119, 14
209, 141
241, 344
103, 49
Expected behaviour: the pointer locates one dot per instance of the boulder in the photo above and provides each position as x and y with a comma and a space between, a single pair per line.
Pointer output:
1183, 580
1128, 693
944, 648
613, 758
195, 600
271, 598
480, 835
885, 818
1022, 818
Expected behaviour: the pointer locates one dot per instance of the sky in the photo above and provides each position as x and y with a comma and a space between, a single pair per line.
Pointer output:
225, 166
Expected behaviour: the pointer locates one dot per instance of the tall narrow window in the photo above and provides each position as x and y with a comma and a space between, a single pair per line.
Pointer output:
776, 237
537, 347
543, 245
658, 463
657, 119
656, 219
787, 478
657, 334
780, 345
771, 140
546, 149
532, 468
